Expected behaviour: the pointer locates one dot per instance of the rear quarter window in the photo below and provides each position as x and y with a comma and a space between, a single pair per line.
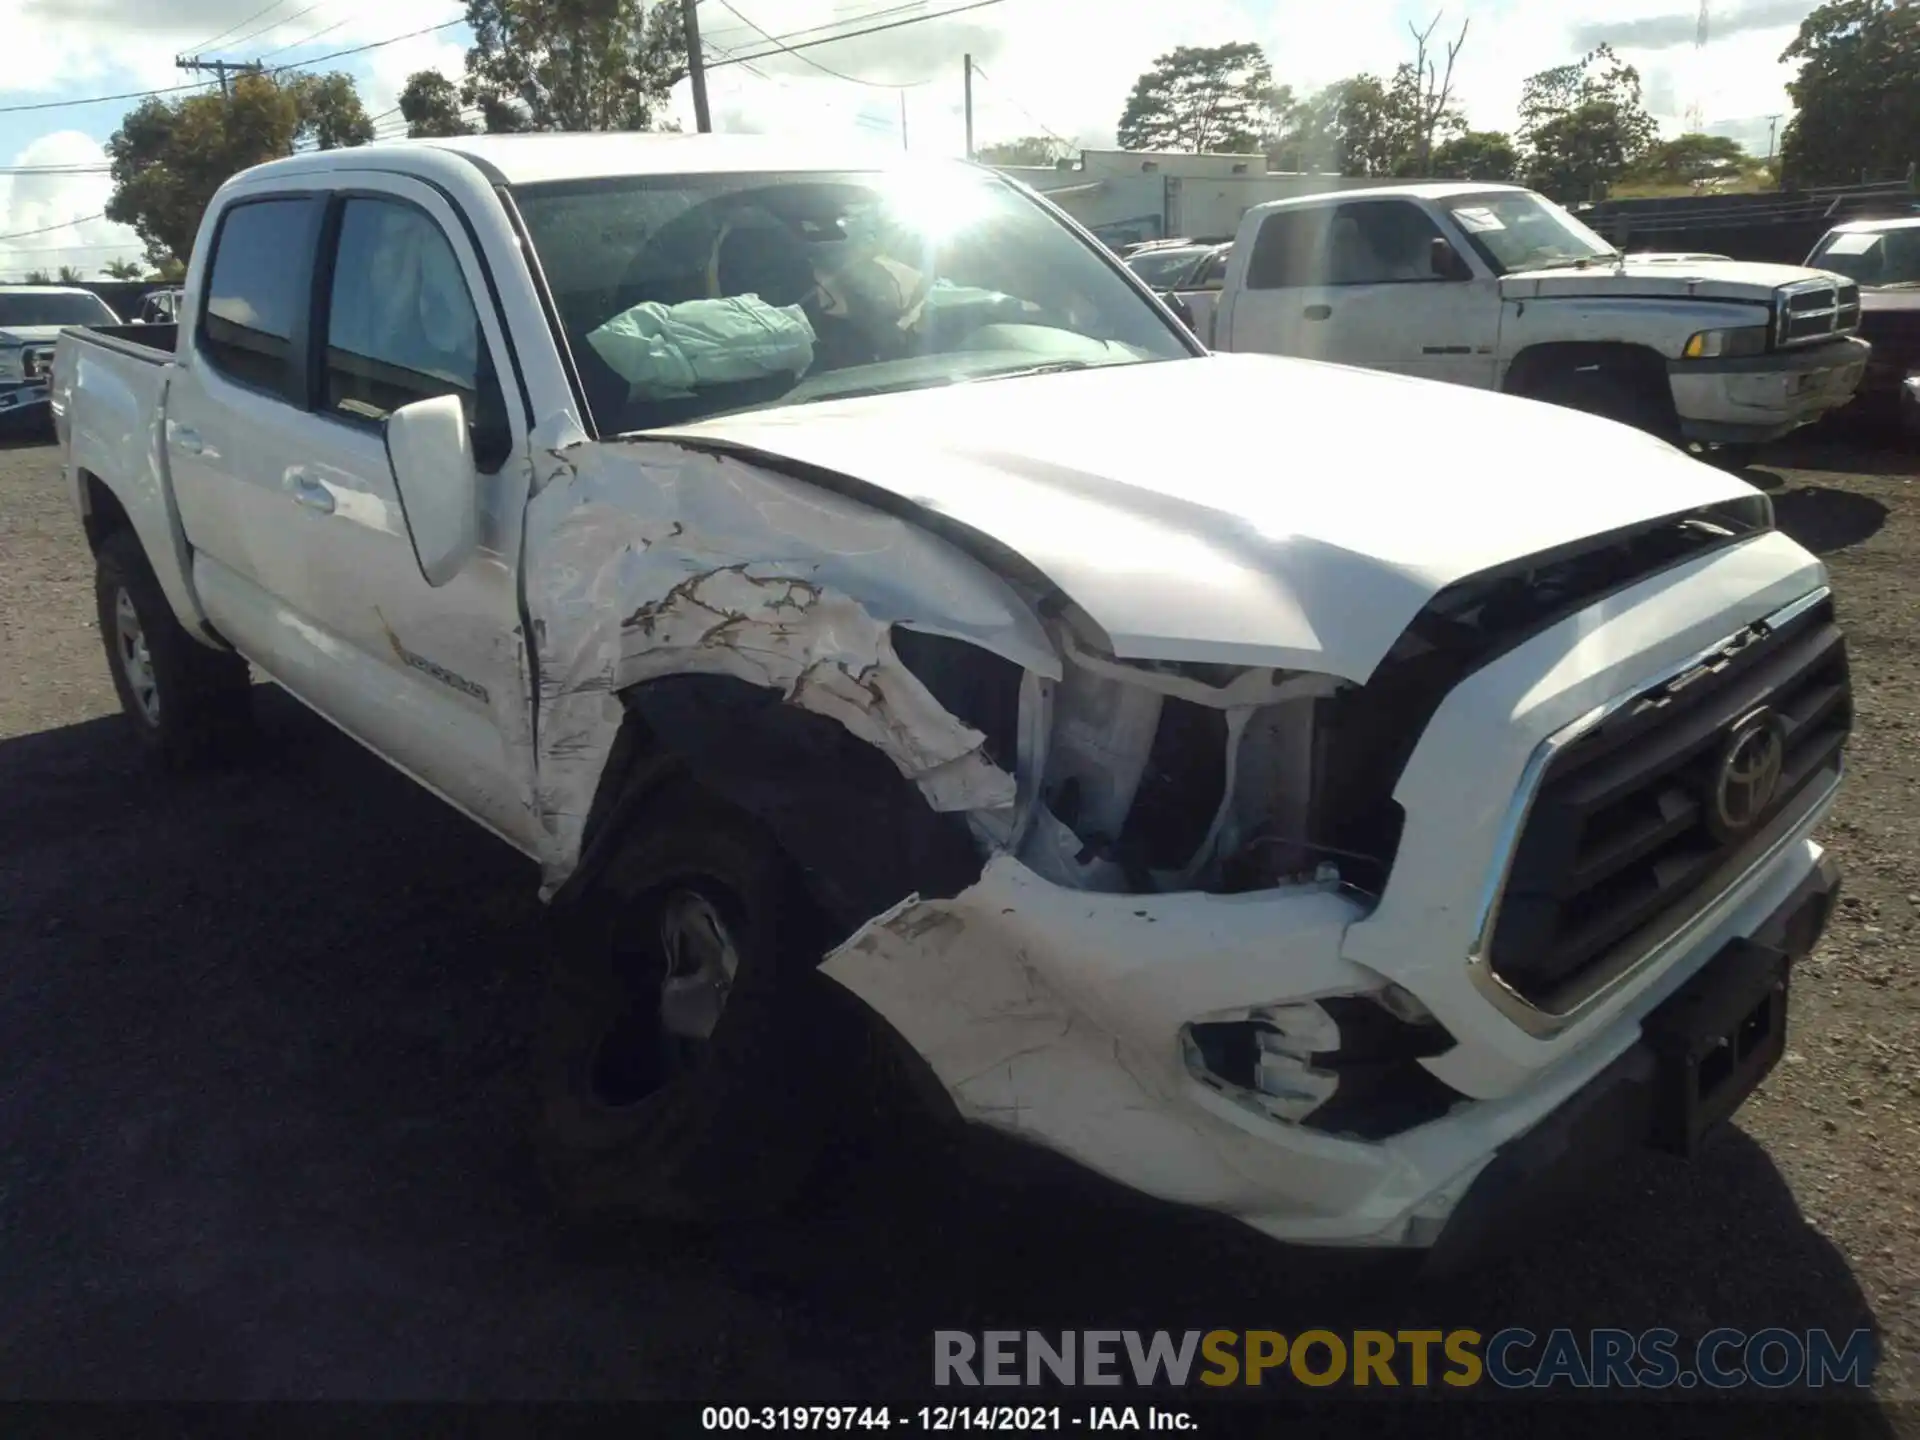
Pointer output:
257, 288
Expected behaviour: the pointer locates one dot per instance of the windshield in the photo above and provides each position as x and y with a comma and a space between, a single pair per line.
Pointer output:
1518, 230
685, 296
76, 308
1163, 268
1875, 259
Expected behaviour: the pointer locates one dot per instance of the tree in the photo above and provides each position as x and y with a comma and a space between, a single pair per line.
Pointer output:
122, 270
573, 64
1583, 125
1857, 94
430, 104
1476, 155
331, 115
169, 156
1349, 128
1199, 99
39, 277
71, 275
1424, 95
1691, 159
1027, 150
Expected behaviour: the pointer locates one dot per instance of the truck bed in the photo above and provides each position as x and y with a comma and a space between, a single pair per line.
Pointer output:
152, 343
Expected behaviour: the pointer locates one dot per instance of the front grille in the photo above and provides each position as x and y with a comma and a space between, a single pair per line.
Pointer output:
1815, 310
1622, 834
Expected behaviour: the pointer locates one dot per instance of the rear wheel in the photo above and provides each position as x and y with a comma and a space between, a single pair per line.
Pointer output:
188, 704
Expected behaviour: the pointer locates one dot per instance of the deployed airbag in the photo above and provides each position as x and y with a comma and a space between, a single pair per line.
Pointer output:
669, 351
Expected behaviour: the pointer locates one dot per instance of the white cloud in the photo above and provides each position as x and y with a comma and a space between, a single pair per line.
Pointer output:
46, 203
388, 69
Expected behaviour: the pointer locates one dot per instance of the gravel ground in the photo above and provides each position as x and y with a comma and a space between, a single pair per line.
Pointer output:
260, 1039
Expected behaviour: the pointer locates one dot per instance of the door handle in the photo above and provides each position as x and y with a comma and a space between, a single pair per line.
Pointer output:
1318, 312
309, 492
187, 441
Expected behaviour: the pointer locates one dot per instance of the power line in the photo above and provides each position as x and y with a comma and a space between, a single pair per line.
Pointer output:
66, 249
307, 40
882, 13
270, 25
809, 60
208, 44
49, 229
373, 45
1045, 129
101, 99
856, 34
275, 70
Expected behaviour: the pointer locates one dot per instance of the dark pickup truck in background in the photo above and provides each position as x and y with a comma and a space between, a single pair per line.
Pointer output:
1884, 257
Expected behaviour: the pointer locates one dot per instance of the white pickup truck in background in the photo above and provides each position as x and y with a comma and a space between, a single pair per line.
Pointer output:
1355, 831
31, 319
1496, 287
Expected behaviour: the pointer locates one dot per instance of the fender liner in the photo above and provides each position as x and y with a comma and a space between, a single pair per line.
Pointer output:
861, 836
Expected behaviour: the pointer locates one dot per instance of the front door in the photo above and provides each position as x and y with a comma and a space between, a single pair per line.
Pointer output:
435, 678
1384, 303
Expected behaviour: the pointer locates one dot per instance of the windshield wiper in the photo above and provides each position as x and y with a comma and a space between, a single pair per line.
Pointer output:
1051, 367
1897, 285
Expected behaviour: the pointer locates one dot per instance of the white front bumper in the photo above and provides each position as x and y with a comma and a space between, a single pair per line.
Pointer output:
1054, 1014
1762, 403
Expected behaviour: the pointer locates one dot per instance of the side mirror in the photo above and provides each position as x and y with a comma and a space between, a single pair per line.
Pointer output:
1178, 305
1446, 261
431, 455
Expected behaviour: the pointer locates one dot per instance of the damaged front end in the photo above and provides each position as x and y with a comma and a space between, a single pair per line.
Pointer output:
939, 742
1105, 898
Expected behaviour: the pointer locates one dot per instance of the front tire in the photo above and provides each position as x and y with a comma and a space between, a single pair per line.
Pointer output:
189, 705
685, 1063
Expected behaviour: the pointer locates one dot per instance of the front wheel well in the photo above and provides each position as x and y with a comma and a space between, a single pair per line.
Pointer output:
861, 836
1548, 371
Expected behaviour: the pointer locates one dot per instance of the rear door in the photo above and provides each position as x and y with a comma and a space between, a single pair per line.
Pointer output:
237, 387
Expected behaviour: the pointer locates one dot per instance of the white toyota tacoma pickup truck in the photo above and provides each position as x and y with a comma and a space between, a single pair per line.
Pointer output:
1359, 837
1497, 287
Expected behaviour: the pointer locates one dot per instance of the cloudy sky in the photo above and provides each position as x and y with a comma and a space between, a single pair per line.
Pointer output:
1063, 66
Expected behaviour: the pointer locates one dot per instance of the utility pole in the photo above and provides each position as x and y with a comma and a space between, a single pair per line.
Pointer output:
697, 68
1773, 126
903, 120
219, 67
966, 62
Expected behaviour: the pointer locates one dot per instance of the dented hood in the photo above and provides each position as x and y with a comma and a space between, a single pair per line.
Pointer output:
1241, 509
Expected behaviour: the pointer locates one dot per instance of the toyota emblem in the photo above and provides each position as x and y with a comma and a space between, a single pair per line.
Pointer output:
1748, 776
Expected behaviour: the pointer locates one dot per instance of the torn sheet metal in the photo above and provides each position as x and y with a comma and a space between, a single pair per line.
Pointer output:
1054, 1015
646, 560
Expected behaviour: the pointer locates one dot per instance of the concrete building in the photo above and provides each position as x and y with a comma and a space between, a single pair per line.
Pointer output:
1128, 195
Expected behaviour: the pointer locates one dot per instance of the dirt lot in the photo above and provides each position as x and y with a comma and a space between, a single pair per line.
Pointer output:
259, 1093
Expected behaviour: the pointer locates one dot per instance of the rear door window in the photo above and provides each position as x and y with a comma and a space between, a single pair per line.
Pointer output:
257, 288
